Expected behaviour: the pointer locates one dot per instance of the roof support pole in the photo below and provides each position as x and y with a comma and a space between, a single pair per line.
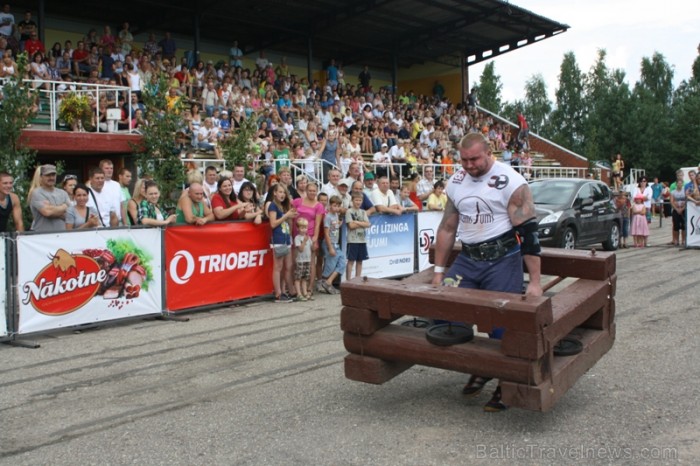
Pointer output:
394, 72
196, 31
309, 59
465, 76
41, 17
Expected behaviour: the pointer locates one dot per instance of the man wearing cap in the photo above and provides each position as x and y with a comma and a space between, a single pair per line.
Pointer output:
48, 203
369, 184
344, 194
382, 161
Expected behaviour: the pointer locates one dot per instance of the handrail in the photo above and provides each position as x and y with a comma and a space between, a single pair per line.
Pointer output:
97, 91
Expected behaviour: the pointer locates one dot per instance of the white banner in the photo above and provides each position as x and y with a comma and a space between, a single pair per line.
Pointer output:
692, 230
74, 278
3, 290
428, 223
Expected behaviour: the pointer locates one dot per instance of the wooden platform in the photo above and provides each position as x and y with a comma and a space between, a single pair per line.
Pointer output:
531, 376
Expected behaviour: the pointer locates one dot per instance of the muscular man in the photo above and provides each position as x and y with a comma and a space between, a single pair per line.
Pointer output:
9, 203
490, 210
191, 208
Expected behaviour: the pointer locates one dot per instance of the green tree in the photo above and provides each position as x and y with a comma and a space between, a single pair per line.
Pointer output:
537, 105
567, 117
16, 109
237, 148
650, 122
685, 129
607, 110
490, 89
159, 154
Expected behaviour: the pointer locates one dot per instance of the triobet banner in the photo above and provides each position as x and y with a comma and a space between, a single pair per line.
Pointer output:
3, 290
220, 263
428, 223
390, 245
75, 278
692, 230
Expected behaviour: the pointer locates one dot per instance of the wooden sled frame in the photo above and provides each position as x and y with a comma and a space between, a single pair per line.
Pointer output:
531, 376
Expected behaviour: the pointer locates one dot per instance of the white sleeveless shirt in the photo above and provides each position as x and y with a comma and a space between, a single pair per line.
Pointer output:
482, 202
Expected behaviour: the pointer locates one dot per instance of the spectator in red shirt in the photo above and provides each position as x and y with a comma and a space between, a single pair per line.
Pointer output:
33, 45
81, 60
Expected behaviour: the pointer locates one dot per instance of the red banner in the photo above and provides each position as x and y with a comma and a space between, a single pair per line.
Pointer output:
216, 263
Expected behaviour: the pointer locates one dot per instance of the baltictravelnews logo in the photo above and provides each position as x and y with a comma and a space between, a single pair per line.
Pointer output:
71, 280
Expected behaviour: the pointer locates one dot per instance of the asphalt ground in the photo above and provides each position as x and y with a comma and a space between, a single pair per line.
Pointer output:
263, 383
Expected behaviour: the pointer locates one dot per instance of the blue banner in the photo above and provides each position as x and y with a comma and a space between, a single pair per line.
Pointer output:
391, 246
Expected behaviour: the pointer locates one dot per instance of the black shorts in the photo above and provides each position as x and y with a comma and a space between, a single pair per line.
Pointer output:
357, 252
678, 220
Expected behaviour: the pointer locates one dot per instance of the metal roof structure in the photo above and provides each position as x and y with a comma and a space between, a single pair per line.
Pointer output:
380, 33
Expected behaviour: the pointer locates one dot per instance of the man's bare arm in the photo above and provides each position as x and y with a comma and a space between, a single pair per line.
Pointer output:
521, 208
445, 238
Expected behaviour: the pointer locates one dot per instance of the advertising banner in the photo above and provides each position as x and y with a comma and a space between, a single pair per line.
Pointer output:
692, 230
219, 263
391, 246
3, 290
428, 223
74, 278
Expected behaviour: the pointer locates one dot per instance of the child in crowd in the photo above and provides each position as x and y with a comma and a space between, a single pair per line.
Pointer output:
323, 199
302, 270
405, 199
280, 211
640, 228
357, 222
334, 259
437, 199
622, 203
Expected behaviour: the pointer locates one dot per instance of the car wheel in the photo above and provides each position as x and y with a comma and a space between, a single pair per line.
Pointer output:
568, 239
613, 241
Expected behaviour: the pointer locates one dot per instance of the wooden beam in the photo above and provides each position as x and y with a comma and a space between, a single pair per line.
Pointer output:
562, 262
372, 370
486, 309
566, 371
480, 356
574, 305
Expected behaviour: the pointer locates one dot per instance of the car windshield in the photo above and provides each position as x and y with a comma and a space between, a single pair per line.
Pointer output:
552, 192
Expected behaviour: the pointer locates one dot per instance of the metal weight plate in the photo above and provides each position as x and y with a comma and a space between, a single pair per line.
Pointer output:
567, 346
417, 322
449, 334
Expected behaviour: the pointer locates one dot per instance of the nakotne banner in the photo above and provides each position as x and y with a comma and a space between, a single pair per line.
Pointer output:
74, 278
391, 246
6, 313
692, 225
428, 223
220, 263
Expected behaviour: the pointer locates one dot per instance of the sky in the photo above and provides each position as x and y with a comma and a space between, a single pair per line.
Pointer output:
627, 29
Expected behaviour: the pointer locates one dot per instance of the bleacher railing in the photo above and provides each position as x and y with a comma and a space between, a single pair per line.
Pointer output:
53, 90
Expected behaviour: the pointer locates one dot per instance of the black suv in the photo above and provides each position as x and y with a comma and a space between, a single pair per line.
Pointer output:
575, 212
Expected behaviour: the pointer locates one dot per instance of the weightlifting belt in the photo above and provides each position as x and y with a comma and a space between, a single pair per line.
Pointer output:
491, 250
